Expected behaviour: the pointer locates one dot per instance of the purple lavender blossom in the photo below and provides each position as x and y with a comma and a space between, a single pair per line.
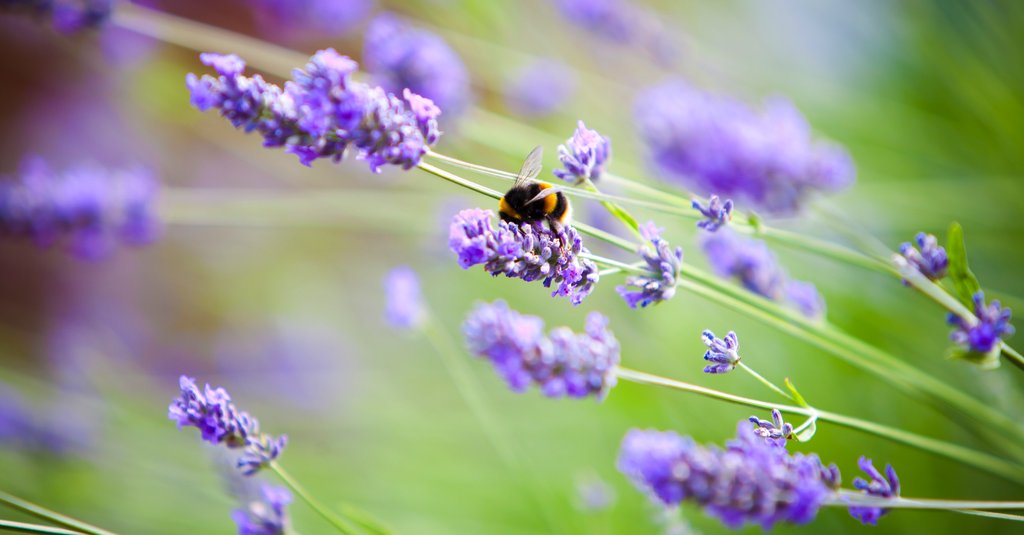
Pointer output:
528, 251
561, 363
987, 333
717, 213
723, 353
757, 269
664, 264
774, 432
67, 16
322, 112
621, 21
712, 144
399, 57
931, 260
403, 300
540, 88
300, 17
86, 208
887, 486
749, 481
583, 156
219, 422
264, 516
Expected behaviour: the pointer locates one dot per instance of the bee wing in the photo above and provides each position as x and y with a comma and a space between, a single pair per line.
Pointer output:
547, 192
531, 167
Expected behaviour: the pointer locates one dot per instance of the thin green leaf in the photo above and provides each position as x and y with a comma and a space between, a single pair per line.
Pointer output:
622, 215
796, 395
964, 282
808, 434
985, 361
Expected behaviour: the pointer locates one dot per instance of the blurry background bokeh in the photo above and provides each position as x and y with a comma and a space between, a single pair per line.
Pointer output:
282, 303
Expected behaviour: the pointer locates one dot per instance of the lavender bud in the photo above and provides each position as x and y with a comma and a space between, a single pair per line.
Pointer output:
583, 156
774, 432
664, 264
931, 260
887, 486
716, 213
528, 251
561, 363
987, 333
722, 352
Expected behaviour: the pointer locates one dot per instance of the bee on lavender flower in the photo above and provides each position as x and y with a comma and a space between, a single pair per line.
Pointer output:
531, 200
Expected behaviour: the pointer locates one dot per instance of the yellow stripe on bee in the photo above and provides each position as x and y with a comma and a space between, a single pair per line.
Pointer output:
504, 208
550, 202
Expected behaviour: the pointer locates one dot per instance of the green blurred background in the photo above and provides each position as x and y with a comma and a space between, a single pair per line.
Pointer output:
281, 301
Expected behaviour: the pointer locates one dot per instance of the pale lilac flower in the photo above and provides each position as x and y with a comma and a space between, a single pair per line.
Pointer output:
775, 431
804, 296
988, 332
664, 264
266, 515
540, 88
887, 486
750, 481
67, 16
561, 363
930, 260
528, 251
301, 17
717, 213
403, 299
766, 159
723, 353
621, 21
583, 156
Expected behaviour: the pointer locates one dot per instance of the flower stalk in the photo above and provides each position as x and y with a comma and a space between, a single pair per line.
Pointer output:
48, 515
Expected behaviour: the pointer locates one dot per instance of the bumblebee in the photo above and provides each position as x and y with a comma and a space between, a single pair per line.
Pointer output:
531, 200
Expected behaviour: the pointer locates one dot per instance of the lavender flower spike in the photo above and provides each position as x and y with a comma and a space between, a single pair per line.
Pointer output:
748, 481
716, 213
992, 326
583, 156
722, 352
561, 363
265, 516
219, 422
86, 208
930, 260
322, 113
664, 264
528, 251
774, 432
887, 486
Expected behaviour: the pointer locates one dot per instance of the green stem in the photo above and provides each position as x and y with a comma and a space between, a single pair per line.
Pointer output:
21, 527
989, 463
342, 525
764, 381
850, 497
54, 517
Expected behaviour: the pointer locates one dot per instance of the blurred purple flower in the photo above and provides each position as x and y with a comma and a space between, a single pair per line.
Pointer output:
87, 208
264, 516
540, 88
756, 267
887, 486
775, 431
714, 144
664, 264
399, 57
332, 18
583, 156
987, 333
403, 300
67, 16
219, 422
931, 260
717, 213
561, 363
749, 481
322, 112
528, 251
621, 21
722, 352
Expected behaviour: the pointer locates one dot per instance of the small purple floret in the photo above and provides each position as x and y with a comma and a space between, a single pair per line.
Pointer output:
265, 516
723, 353
774, 432
887, 486
403, 299
583, 156
664, 264
928, 257
988, 332
561, 363
716, 213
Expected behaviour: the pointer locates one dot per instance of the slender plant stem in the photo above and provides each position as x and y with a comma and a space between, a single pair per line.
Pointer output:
21, 527
48, 515
984, 461
990, 514
764, 381
342, 525
849, 497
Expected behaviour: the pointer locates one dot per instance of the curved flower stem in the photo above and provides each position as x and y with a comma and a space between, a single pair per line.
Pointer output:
54, 517
21, 527
764, 381
984, 461
850, 497
342, 525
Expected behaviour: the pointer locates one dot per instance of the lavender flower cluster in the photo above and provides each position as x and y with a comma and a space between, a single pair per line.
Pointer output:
540, 88
756, 267
219, 422
722, 353
400, 57
322, 112
716, 213
86, 208
266, 515
929, 258
403, 300
561, 363
985, 334
712, 144
664, 264
621, 21
67, 16
528, 251
887, 486
750, 481
583, 156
